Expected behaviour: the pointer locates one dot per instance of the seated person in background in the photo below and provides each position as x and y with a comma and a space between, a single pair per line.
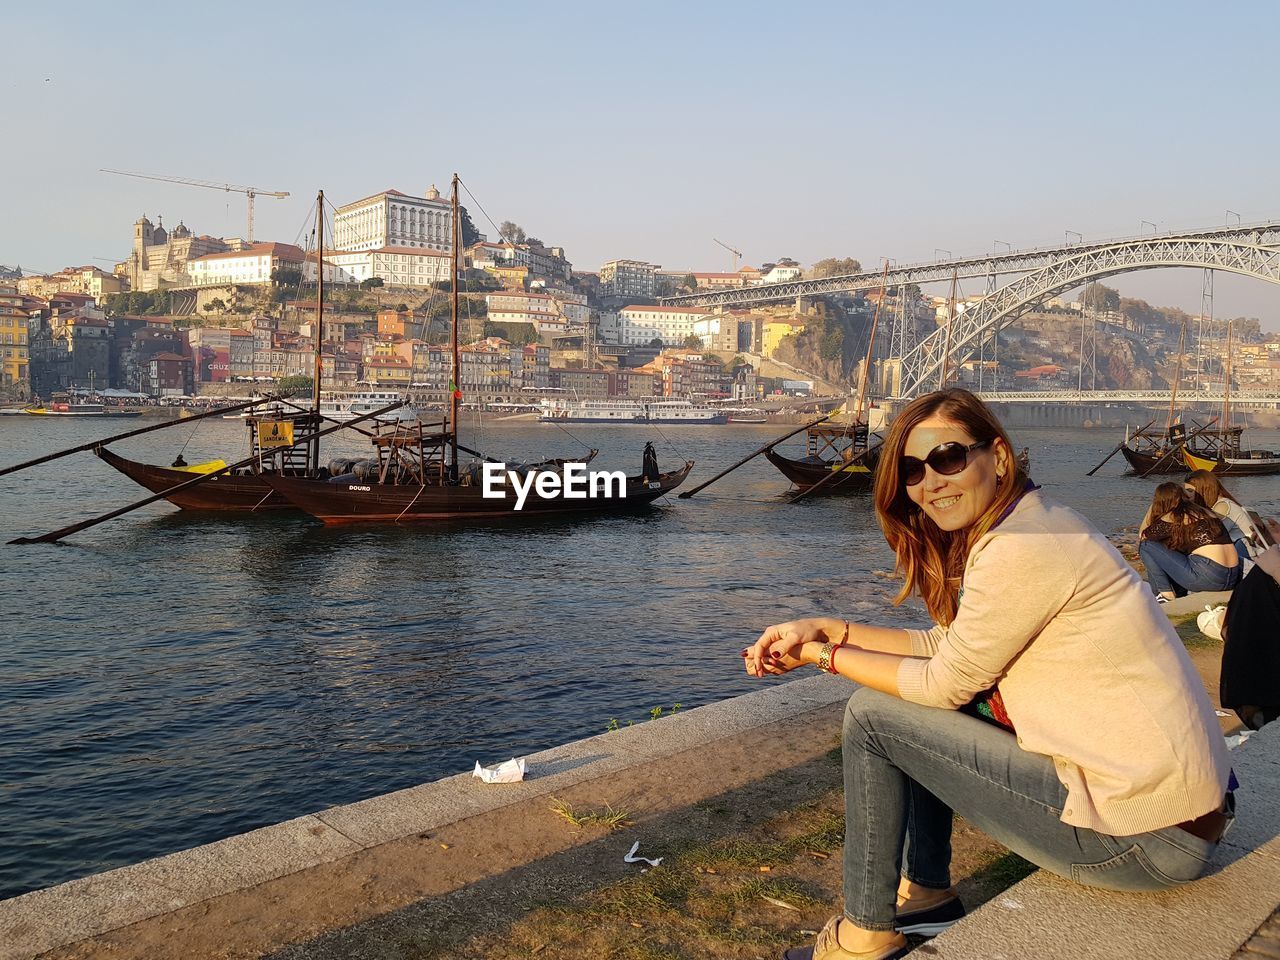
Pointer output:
1235, 516
1185, 546
1250, 683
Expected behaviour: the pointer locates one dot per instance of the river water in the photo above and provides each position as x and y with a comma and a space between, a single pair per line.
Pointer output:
171, 680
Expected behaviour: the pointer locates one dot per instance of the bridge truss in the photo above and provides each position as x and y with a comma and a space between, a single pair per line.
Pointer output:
987, 267
922, 368
1250, 250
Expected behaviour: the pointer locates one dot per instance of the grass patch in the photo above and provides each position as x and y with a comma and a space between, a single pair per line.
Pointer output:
1005, 870
608, 818
1189, 633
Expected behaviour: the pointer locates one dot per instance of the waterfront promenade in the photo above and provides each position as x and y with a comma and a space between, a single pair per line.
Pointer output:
739, 797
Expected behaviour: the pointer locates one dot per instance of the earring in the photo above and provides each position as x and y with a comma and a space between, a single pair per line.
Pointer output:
999, 479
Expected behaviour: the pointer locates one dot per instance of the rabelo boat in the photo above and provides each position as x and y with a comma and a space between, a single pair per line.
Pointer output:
417, 475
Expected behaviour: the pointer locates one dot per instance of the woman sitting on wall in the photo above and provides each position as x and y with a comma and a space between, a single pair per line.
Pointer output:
1235, 517
1052, 706
1185, 546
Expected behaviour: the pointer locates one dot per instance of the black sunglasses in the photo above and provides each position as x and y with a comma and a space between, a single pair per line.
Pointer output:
947, 459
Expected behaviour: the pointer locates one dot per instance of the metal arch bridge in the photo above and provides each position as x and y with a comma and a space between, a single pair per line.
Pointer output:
1249, 249
987, 266
1239, 398
924, 366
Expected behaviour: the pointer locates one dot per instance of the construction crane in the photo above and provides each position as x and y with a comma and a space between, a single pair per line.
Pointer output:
736, 253
249, 192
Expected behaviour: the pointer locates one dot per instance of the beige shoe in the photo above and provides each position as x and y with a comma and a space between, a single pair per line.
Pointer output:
827, 947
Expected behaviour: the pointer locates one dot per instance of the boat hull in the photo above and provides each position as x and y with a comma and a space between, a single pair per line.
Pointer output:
641, 420
244, 494
339, 503
805, 473
96, 414
1145, 464
1234, 466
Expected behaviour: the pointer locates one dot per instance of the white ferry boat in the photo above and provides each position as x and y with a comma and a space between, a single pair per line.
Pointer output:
561, 410
343, 406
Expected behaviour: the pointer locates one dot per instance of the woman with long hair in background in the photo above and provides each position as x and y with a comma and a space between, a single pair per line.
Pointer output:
1235, 516
1185, 546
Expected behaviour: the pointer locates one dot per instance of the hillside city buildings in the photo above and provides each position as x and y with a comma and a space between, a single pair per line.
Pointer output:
220, 311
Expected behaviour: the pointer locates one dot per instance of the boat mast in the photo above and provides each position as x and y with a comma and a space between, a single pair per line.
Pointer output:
318, 333
456, 378
871, 342
1226, 384
1177, 378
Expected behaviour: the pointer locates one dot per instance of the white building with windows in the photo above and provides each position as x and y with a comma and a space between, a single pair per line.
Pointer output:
395, 266
628, 278
395, 219
557, 313
253, 265
639, 325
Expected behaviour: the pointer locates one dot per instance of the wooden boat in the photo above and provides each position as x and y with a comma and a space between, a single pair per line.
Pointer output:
1232, 460
832, 448
1238, 463
96, 410
1161, 452
242, 490
424, 495
418, 477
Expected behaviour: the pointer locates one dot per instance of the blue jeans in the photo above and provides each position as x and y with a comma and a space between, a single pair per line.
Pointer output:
907, 767
1168, 569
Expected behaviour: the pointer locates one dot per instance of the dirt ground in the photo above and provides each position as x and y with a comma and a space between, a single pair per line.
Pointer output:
749, 829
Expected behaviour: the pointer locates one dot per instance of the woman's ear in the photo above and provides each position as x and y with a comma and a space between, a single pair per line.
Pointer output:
1004, 460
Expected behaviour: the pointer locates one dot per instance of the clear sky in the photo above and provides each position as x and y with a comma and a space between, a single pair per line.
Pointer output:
646, 129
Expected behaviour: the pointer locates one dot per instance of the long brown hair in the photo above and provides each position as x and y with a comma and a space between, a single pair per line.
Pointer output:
929, 558
1209, 487
1170, 499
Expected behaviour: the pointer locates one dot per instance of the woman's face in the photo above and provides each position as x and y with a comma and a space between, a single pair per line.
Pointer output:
956, 501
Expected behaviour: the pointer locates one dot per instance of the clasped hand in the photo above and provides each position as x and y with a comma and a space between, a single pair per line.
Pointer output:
781, 647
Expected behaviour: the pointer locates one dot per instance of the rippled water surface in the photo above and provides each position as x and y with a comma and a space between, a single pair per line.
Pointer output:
170, 680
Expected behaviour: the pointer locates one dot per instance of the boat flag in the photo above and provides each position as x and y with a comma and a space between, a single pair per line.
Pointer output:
453, 389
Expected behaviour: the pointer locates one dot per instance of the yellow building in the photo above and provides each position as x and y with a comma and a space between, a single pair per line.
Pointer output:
774, 330
13, 339
511, 277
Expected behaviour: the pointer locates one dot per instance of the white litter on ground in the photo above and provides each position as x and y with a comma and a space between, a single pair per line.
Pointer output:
512, 771
632, 858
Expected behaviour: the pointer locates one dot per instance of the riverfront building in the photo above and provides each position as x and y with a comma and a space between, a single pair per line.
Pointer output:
13, 337
639, 325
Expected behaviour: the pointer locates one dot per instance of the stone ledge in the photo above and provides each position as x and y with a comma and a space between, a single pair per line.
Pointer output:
90, 906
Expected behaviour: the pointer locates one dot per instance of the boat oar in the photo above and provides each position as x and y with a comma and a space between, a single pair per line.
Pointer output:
56, 535
1119, 447
134, 433
842, 473
1177, 447
751, 456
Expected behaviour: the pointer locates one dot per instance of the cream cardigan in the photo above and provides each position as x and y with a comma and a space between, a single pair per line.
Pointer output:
1090, 670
